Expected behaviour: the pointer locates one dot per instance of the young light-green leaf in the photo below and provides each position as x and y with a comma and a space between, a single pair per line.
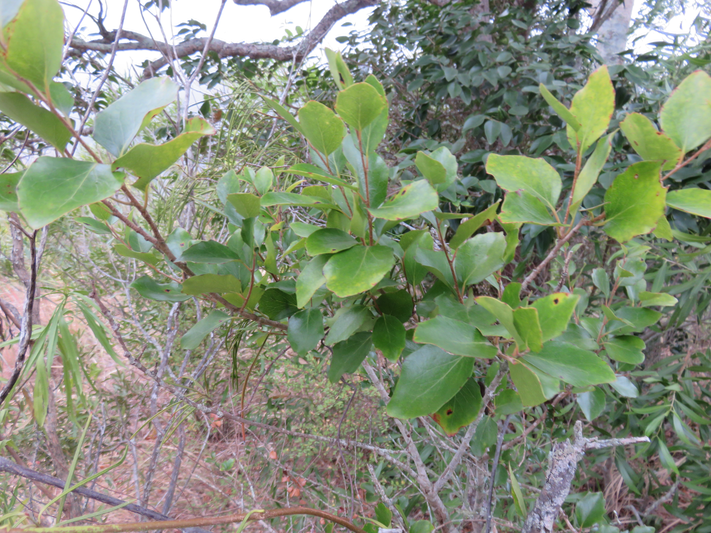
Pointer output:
245, 203
117, 125
562, 111
692, 200
358, 269
359, 105
148, 161
635, 201
534, 176
320, 125
593, 106
686, 116
431, 169
430, 377
591, 171
410, 202
649, 143
54, 186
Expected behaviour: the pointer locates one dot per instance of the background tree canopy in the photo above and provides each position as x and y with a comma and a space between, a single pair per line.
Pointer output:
454, 276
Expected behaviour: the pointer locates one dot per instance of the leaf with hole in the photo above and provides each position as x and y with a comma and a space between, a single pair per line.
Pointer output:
554, 313
461, 410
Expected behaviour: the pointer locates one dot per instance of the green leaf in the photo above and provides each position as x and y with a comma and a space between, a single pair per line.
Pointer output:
649, 143
592, 403
479, 257
294, 199
430, 377
554, 312
591, 171
449, 162
305, 330
686, 116
397, 304
694, 201
37, 119
569, 363
410, 202
593, 106
148, 161
533, 176
8, 191
461, 410
320, 125
666, 458
33, 42
602, 281
348, 355
528, 385
358, 269
209, 252
125, 251
662, 299
95, 226
634, 202
503, 313
328, 241
626, 349
389, 337
61, 98
54, 186
528, 327
348, 320
195, 335
512, 295
310, 280
162, 292
246, 204
523, 208
263, 180
207, 283
430, 168
117, 125
455, 337
508, 402
339, 70
559, 108
359, 105
315, 173
469, 227
517, 495
590, 510
277, 304
283, 113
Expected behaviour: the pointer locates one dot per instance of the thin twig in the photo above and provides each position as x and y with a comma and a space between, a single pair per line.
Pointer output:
494, 466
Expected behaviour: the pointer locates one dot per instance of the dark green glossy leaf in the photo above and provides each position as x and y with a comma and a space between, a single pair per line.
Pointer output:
455, 337
479, 257
328, 241
389, 337
430, 377
310, 280
592, 403
569, 363
277, 304
397, 304
305, 330
348, 355
348, 320
626, 349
